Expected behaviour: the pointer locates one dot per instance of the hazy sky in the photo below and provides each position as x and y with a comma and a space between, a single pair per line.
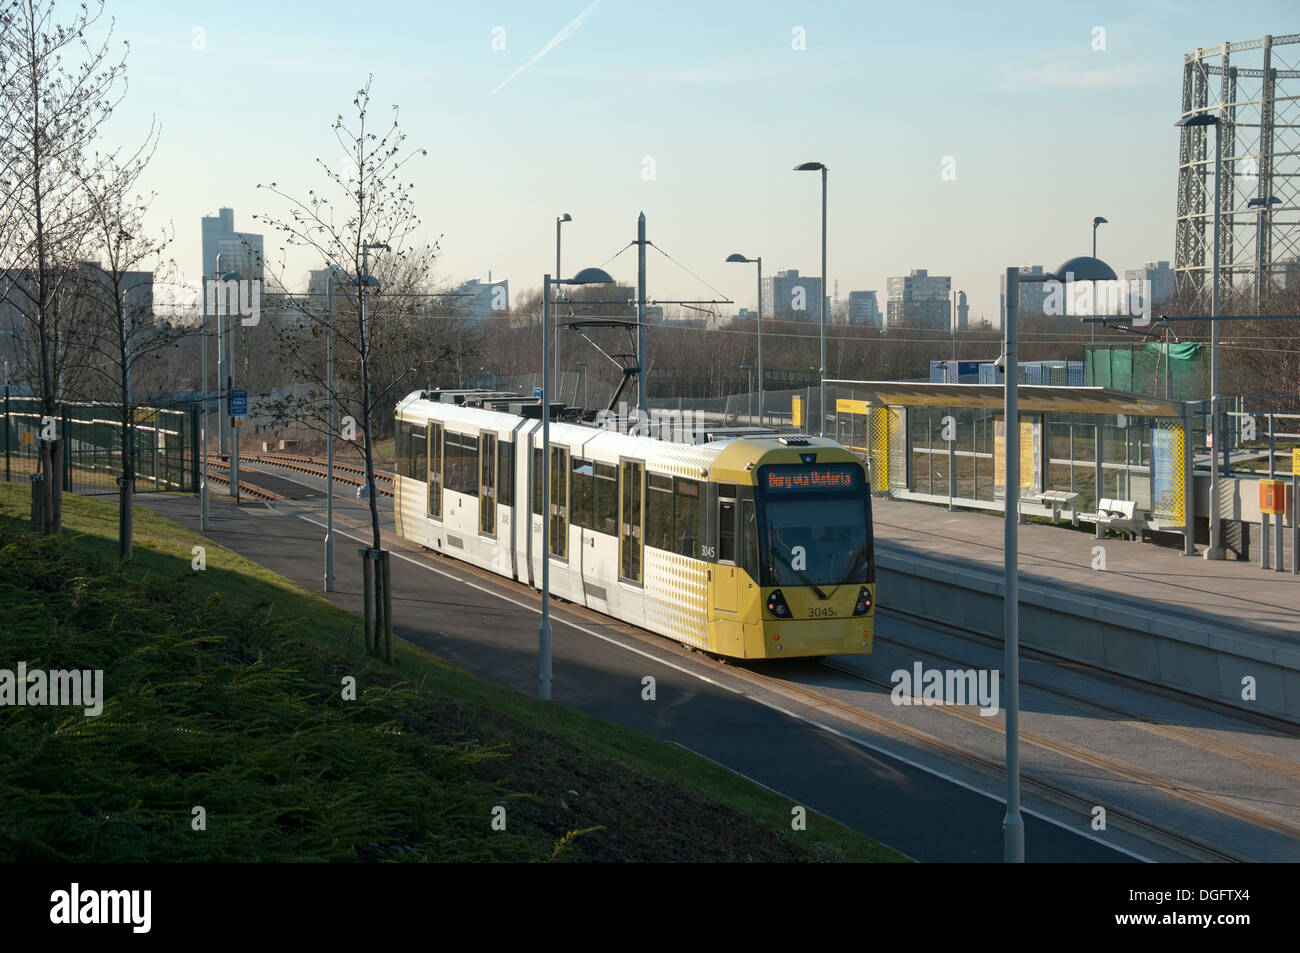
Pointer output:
1044, 131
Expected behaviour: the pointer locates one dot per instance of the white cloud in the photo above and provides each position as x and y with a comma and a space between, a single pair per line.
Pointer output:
551, 44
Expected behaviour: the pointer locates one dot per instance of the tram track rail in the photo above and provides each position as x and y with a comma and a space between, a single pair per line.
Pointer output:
346, 473
252, 489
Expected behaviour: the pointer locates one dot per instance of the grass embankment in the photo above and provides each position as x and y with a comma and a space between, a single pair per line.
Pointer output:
223, 690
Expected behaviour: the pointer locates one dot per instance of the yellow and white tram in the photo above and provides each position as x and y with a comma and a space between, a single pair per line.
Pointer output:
750, 547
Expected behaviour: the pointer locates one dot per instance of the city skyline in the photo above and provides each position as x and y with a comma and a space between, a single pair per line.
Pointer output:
984, 168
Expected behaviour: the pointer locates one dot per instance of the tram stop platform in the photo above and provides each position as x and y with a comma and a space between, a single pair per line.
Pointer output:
1134, 608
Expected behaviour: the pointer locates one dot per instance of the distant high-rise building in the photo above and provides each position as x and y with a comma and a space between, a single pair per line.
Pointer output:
789, 296
745, 314
864, 309
482, 299
1290, 273
963, 312
239, 251
919, 300
1159, 274
1033, 294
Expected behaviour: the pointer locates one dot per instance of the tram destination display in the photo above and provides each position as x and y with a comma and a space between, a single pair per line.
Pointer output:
796, 478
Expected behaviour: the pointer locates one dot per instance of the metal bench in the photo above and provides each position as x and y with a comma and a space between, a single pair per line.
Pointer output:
1119, 515
1058, 500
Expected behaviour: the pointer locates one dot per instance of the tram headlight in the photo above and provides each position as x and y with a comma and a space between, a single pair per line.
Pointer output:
863, 605
776, 605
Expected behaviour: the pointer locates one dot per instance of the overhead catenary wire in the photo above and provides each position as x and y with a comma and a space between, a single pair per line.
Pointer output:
685, 269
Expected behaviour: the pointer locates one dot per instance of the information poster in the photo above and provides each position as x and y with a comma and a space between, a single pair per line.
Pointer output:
1031, 458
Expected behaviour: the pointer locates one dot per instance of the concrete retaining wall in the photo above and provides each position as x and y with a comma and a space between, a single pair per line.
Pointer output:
1177, 651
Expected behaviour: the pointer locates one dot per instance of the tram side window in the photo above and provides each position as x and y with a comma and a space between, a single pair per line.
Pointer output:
726, 530
461, 451
583, 493
659, 512
415, 451
506, 473
401, 438
604, 517
749, 538
688, 517
435, 470
537, 481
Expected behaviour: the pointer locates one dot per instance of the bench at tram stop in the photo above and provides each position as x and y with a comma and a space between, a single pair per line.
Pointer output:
1119, 515
1059, 500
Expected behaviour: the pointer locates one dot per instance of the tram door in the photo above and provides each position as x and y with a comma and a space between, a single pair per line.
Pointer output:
631, 516
559, 541
487, 484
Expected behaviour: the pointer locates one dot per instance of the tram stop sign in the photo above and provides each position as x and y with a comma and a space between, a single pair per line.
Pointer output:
238, 403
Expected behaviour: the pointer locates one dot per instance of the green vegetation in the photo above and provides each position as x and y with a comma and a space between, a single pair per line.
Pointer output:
223, 689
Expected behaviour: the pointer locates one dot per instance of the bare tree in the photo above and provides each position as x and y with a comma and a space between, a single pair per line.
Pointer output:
119, 326
365, 217
62, 90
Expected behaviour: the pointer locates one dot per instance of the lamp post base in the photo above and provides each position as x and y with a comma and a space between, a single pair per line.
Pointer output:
329, 562
1216, 552
1013, 839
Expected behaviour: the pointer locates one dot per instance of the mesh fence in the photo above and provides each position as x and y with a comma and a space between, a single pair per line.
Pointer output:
1179, 371
163, 445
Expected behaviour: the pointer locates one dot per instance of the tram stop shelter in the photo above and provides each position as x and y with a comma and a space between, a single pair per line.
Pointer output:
1079, 446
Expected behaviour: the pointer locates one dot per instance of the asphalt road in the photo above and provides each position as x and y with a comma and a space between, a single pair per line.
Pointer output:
814, 757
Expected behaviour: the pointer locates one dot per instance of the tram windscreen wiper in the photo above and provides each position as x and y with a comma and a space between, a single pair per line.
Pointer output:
803, 577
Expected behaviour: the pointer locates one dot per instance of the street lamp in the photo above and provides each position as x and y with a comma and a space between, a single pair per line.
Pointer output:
1091, 270
750, 391
333, 273
759, 261
1263, 204
203, 351
1013, 825
1095, 222
588, 276
1215, 550
821, 167
559, 220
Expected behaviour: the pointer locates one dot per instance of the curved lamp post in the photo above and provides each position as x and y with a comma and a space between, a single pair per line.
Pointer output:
737, 257
559, 220
203, 350
1215, 549
1095, 222
821, 305
588, 276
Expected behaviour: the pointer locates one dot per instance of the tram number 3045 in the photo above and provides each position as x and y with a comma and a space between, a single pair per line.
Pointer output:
820, 612
707, 552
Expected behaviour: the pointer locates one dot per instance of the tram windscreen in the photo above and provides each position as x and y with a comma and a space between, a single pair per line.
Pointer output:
815, 529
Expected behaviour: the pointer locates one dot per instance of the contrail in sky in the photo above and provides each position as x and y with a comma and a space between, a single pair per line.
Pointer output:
550, 45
